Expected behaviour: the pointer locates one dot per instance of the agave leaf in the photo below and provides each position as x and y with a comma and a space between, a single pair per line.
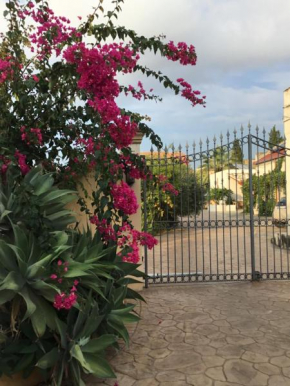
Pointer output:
21, 258
55, 195
48, 291
25, 362
61, 328
21, 241
42, 184
6, 296
99, 344
124, 310
4, 212
119, 328
75, 369
48, 360
13, 281
7, 257
30, 305
57, 215
98, 366
38, 321
76, 353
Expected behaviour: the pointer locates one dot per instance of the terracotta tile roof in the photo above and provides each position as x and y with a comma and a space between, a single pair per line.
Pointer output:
270, 157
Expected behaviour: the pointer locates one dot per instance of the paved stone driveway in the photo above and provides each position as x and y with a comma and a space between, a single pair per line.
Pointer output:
209, 335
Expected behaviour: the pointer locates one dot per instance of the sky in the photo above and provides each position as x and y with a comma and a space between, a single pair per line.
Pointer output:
243, 65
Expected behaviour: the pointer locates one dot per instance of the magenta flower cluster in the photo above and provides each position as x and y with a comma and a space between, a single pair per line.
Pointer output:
182, 52
124, 198
132, 239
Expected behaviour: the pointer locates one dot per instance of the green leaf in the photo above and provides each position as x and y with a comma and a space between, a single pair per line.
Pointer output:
121, 329
24, 363
45, 183
6, 296
38, 321
124, 310
98, 366
55, 195
30, 305
7, 257
99, 344
13, 281
48, 360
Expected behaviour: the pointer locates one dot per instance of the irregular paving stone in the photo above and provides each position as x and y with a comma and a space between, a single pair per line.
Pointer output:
196, 369
239, 340
179, 346
146, 382
230, 351
123, 380
196, 339
195, 317
199, 380
152, 343
174, 383
265, 349
286, 371
216, 373
206, 329
175, 337
144, 359
186, 326
217, 343
213, 361
281, 361
170, 376
159, 353
136, 370
254, 357
242, 372
278, 380
267, 368
205, 350
175, 361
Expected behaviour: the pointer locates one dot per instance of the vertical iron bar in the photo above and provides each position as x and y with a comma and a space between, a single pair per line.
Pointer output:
174, 211
154, 218
250, 155
208, 202
195, 209
244, 217
181, 210
188, 187
145, 230
202, 204
230, 214
237, 215
167, 220
215, 198
221, 149
161, 220
259, 201
264, 175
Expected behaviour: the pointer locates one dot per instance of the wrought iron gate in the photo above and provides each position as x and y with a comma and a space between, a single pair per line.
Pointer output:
226, 217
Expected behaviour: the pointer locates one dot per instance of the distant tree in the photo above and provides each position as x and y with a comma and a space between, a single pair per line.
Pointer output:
237, 153
219, 161
275, 137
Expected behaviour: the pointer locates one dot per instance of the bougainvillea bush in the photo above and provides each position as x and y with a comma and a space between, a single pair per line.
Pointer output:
62, 293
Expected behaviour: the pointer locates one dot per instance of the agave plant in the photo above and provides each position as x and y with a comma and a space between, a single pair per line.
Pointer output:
34, 201
62, 343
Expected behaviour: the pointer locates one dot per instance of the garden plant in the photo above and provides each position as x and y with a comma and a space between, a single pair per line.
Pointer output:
64, 296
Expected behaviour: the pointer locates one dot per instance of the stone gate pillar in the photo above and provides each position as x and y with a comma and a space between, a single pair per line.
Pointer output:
137, 217
286, 119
